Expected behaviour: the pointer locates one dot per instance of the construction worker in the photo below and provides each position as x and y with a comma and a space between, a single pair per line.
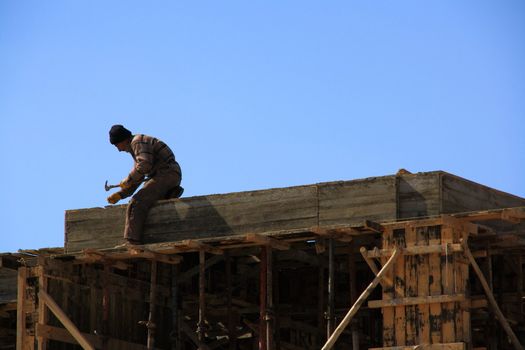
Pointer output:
155, 165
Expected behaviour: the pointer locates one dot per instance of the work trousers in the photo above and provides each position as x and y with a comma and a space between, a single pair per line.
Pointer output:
153, 190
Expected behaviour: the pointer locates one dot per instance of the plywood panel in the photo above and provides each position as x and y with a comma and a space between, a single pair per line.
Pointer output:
460, 195
418, 195
351, 202
272, 210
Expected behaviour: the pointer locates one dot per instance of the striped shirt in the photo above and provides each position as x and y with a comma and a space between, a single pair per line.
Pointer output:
150, 155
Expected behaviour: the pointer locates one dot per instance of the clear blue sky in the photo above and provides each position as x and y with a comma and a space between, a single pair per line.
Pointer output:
253, 95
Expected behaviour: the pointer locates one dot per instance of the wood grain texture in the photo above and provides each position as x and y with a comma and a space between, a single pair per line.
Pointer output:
287, 210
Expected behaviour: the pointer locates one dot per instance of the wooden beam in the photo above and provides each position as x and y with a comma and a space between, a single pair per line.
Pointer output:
416, 250
267, 241
62, 317
492, 300
386, 282
373, 304
198, 246
21, 312
448, 346
353, 310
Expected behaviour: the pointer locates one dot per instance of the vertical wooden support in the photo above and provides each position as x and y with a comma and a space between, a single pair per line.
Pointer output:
501, 318
388, 294
232, 333
269, 293
202, 299
353, 310
423, 288
352, 274
411, 282
320, 298
263, 278
20, 309
105, 306
400, 280
151, 318
42, 310
447, 277
331, 289
435, 289
175, 314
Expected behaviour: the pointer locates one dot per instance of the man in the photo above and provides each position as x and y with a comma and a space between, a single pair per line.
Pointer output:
154, 159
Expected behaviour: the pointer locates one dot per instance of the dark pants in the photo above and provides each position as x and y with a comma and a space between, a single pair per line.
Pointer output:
154, 189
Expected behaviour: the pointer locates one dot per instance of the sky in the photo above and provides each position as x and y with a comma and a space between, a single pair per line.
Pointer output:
252, 95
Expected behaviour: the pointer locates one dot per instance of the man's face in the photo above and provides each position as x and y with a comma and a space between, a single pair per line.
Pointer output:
122, 146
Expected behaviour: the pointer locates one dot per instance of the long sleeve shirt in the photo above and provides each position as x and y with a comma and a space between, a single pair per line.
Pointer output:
150, 155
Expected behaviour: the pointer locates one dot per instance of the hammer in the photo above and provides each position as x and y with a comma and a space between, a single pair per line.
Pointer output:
109, 187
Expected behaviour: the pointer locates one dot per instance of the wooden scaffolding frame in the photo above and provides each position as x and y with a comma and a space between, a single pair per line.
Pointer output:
424, 277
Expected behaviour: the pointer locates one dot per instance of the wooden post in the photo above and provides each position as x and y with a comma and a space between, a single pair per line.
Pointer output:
62, 317
151, 318
42, 311
353, 310
202, 289
232, 333
320, 298
20, 309
263, 279
105, 305
269, 294
353, 296
331, 292
175, 332
490, 296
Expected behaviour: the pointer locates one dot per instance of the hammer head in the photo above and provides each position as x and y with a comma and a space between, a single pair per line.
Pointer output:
109, 187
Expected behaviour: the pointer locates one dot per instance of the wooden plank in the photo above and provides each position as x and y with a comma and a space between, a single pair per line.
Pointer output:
449, 346
400, 288
353, 310
435, 289
447, 277
411, 272
461, 195
423, 287
418, 195
500, 316
197, 217
389, 330
418, 250
62, 317
419, 300
42, 311
351, 202
21, 312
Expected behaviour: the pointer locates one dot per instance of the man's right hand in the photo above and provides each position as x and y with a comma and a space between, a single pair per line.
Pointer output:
114, 198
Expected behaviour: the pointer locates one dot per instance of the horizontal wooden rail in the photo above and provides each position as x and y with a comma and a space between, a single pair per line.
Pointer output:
416, 250
448, 346
416, 300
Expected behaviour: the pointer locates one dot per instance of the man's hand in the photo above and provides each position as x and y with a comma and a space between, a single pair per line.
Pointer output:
114, 198
125, 185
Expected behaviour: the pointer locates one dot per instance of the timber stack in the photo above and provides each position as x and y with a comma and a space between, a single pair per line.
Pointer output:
426, 260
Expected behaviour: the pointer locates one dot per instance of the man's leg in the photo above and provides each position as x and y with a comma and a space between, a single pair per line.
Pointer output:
140, 204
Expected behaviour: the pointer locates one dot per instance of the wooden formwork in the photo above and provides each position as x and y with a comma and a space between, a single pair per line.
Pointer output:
287, 291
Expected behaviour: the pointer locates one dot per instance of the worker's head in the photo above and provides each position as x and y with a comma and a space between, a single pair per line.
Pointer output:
120, 137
